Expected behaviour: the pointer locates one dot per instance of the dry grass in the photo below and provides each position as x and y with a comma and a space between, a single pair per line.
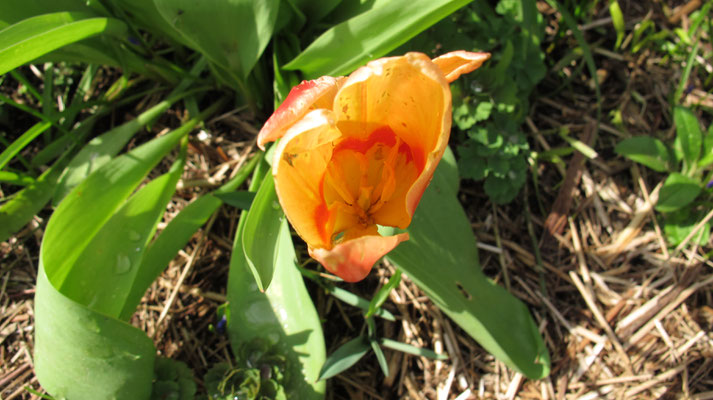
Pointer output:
622, 314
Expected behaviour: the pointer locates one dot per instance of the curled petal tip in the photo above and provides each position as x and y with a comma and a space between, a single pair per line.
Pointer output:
457, 63
353, 259
308, 95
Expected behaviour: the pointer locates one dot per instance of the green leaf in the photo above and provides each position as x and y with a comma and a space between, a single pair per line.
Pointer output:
26, 40
19, 144
284, 315
647, 151
380, 357
262, 227
119, 246
360, 302
677, 191
241, 199
383, 294
440, 234
407, 348
618, 21
688, 134
232, 34
369, 35
83, 355
28, 202
679, 224
707, 155
344, 357
102, 148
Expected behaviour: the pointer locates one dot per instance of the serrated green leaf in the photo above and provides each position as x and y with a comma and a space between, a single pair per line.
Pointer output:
647, 151
344, 357
677, 191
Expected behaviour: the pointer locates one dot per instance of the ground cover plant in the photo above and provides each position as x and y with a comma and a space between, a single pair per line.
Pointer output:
133, 138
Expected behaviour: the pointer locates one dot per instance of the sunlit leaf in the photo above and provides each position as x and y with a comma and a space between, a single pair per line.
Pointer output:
370, 35
677, 191
344, 357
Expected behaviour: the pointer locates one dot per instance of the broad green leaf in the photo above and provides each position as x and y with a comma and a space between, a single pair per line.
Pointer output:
102, 148
647, 151
688, 134
19, 144
262, 227
284, 314
231, 33
677, 191
97, 198
103, 275
29, 39
441, 235
369, 35
344, 357
176, 235
83, 355
707, 155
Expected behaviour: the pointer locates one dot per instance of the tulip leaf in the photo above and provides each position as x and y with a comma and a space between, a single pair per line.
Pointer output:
370, 35
441, 235
283, 314
239, 29
36, 36
262, 227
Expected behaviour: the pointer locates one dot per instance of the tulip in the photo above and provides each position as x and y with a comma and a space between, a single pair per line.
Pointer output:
359, 151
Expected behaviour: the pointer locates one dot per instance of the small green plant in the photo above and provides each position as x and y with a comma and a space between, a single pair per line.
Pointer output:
491, 104
687, 192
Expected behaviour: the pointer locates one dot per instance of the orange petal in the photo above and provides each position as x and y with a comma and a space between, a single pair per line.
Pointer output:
298, 167
410, 96
306, 96
457, 63
352, 260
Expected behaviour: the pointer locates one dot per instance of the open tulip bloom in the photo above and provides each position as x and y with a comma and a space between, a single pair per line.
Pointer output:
359, 151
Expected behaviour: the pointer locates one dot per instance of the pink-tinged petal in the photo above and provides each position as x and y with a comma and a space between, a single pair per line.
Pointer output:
306, 96
457, 63
299, 164
352, 260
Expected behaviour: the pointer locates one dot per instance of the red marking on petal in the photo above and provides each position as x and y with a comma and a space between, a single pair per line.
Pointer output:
383, 135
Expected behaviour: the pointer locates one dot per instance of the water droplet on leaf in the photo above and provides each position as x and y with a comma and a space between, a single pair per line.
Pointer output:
123, 264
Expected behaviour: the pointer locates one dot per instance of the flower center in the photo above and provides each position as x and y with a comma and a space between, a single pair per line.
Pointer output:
360, 179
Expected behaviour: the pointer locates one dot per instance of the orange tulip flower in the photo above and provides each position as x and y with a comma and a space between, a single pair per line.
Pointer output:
359, 151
